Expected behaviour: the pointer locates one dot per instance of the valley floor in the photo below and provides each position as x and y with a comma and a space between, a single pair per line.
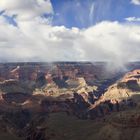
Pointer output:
70, 128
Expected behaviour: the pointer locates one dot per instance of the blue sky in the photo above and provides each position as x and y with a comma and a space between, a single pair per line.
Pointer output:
72, 30
85, 13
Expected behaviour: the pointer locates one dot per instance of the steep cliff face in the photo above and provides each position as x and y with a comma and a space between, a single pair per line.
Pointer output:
124, 122
122, 126
121, 96
127, 87
34, 93
13, 85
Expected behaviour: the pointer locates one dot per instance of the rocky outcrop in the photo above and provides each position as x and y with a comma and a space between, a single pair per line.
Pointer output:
41, 91
127, 87
15, 97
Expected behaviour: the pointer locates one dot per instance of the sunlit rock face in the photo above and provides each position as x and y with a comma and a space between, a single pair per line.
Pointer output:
127, 87
77, 90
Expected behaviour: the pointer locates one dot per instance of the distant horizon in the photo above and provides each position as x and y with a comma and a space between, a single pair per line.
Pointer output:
138, 61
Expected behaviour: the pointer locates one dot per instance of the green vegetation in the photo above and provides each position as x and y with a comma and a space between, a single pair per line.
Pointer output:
121, 85
7, 136
66, 127
131, 86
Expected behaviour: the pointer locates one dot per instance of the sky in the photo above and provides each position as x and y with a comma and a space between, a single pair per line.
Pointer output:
69, 30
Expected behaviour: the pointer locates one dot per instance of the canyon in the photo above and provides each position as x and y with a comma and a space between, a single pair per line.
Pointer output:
35, 97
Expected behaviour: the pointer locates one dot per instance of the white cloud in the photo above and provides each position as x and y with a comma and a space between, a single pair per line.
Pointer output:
26, 9
112, 41
35, 41
132, 19
136, 2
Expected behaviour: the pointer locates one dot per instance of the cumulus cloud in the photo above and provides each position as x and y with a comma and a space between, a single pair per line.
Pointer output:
136, 2
36, 40
26, 9
112, 41
132, 19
